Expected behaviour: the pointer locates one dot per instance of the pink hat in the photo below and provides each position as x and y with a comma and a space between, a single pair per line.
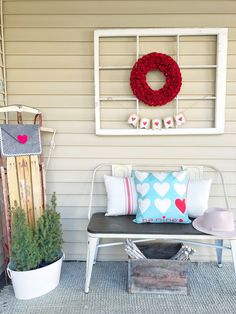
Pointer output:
216, 221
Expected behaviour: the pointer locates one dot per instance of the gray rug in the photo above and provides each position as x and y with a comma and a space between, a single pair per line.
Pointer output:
212, 290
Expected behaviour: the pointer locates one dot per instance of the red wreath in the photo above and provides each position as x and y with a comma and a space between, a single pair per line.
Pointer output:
163, 63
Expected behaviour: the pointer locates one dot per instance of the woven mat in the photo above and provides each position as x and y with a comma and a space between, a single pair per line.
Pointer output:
212, 290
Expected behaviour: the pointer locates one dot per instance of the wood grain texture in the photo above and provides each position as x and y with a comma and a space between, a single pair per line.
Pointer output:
25, 187
12, 181
157, 276
37, 189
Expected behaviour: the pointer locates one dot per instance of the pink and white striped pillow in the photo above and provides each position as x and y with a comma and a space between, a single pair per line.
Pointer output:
121, 196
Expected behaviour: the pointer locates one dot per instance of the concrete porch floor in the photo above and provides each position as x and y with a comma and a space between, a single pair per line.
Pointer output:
212, 290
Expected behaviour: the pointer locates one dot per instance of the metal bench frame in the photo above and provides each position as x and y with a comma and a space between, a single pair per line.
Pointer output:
94, 238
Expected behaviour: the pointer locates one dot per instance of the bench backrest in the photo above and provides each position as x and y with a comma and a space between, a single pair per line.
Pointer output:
218, 196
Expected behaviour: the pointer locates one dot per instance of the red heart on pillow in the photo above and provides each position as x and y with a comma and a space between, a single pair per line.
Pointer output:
180, 204
180, 118
22, 138
133, 118
168, 122
156, 123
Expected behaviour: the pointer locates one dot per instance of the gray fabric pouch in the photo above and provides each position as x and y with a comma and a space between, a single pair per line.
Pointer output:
20, 139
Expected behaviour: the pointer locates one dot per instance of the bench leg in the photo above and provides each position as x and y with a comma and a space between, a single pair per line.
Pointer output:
96, 252
91, 250
233, 251
219, 252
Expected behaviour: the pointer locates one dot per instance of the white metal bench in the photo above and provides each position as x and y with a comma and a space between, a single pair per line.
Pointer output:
122, 227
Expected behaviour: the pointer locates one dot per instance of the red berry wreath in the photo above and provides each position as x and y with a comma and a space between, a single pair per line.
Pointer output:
163, 63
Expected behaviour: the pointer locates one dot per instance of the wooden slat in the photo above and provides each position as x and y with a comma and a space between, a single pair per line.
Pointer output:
6, 219
25, 187
36, 187
12, 181
157, 276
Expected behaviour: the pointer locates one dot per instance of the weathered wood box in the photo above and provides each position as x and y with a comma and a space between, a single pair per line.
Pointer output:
158, 274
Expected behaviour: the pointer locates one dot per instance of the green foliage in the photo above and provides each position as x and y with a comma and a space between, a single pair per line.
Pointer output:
39, 247
24, 253
49, 234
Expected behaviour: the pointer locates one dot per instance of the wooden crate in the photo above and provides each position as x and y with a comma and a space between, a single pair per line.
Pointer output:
155, 275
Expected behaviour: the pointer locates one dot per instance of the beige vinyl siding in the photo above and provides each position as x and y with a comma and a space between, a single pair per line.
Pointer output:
49, 48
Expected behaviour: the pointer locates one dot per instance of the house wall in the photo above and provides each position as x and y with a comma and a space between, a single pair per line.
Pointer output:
49, 55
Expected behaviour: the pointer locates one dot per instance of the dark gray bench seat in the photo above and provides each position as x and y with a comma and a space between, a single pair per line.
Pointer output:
101, 224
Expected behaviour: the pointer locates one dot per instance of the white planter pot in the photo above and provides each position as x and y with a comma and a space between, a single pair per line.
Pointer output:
34, 283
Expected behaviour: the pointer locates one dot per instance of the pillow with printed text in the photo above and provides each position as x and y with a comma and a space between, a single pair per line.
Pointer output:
161, 197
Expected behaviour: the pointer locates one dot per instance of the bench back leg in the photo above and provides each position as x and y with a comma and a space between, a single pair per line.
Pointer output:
219, 252
233, 251
96, 252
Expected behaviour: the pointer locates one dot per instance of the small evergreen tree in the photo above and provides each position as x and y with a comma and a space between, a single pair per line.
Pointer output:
49, 234
24, 250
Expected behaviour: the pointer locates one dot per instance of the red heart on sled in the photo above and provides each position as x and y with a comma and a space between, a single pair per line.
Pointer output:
180, 204
22, 138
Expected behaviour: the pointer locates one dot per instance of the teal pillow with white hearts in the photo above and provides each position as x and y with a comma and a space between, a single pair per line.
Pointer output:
161, 197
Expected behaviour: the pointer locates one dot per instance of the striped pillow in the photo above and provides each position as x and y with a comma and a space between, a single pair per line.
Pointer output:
121, 196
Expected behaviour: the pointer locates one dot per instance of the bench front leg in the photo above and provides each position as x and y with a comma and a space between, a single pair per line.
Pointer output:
91, 250
233, 251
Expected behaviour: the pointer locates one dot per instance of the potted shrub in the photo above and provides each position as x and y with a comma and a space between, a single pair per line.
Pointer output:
36, 255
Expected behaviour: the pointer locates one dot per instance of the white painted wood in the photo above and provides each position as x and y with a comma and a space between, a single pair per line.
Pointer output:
177, 60
121, 170
189, 131
160, 32
222, 43
220, 87
96, 80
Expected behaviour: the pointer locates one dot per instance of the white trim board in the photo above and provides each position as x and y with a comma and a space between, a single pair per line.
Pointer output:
220, 78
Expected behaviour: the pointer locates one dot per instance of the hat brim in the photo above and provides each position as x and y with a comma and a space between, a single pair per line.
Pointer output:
197, 224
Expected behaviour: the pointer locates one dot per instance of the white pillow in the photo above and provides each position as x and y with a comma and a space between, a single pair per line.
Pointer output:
197, 197
121, 196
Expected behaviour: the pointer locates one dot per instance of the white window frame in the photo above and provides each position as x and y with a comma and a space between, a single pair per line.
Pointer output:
220, 83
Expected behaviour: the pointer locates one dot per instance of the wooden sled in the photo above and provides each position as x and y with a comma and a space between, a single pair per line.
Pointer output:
22, 182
